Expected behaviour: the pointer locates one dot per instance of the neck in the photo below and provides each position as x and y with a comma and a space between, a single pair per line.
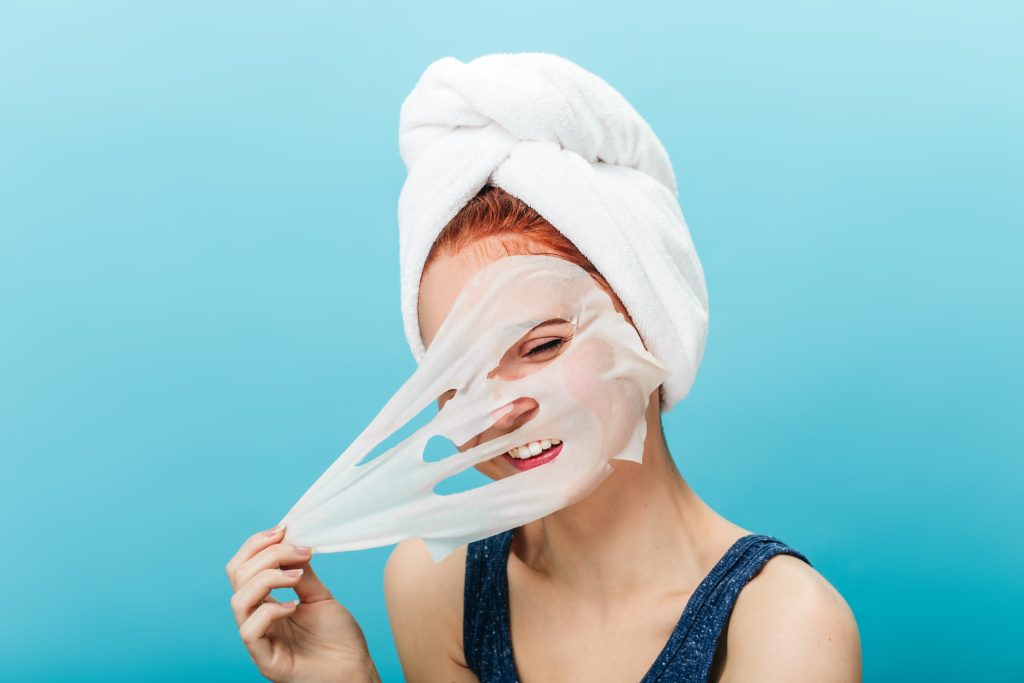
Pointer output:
643, 526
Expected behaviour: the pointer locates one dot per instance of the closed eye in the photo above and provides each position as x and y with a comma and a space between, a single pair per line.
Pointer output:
523, 357
546, 346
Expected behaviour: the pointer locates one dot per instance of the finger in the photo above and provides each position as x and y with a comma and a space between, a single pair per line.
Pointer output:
252, 545
254, 629
310, 588
249, 596
272, 557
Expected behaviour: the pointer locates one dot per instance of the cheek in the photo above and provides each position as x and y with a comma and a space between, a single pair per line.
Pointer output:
582, 373
613, 403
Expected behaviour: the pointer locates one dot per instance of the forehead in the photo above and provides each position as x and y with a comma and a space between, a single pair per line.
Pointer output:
448, 273
445, 278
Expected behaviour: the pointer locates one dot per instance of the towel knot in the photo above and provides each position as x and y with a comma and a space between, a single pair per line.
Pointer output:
535, 97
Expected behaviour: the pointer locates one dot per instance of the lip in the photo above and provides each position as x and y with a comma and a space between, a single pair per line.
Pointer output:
534, 461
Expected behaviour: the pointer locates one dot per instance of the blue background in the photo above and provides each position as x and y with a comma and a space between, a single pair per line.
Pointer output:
199, 299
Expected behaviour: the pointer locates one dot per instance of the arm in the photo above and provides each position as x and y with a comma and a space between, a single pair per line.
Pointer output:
424, 603
790, 624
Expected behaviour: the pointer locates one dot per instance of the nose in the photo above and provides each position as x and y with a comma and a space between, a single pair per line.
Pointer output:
523, 409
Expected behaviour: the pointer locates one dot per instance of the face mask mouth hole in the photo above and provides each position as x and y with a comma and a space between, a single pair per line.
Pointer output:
511, 416
526, 409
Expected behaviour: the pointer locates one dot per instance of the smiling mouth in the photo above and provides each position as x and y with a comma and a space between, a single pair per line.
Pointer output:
533, 454
532, 449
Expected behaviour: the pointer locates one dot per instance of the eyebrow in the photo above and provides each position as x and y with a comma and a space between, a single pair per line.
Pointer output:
552, 321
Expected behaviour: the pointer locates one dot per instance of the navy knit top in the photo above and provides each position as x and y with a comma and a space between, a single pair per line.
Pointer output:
686, 657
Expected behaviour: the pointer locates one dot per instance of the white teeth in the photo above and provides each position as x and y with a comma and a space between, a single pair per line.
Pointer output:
532, 448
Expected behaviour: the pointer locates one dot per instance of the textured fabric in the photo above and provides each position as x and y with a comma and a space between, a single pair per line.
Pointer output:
568, 144
686, 656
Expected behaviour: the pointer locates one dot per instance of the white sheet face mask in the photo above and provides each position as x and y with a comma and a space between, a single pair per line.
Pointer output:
593, 396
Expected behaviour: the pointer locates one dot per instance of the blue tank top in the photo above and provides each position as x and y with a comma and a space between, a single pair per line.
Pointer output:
686, 657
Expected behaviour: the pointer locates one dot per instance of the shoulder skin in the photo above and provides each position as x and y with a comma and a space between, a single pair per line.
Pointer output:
790, 624
424, 602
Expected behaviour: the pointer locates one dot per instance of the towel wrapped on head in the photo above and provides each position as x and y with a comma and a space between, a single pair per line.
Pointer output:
565, 142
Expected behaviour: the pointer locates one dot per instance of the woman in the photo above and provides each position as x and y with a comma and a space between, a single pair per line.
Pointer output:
639, 581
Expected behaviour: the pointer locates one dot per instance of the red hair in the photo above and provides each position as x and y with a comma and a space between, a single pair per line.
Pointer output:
495, 213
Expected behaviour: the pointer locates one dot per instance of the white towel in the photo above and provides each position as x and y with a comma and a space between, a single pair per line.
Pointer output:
565, 142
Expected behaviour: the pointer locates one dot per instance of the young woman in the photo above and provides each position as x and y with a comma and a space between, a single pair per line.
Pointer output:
639, 581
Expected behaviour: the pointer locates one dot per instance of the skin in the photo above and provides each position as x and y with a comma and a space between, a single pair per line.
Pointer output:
616, 568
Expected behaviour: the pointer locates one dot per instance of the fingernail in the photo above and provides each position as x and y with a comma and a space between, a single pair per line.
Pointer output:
303, 550
291, 603
273, 532
293, 572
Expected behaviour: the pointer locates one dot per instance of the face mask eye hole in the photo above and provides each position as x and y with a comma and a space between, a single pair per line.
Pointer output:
536, 348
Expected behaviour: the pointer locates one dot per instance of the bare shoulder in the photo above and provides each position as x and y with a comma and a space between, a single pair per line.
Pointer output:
790, 624
424, 602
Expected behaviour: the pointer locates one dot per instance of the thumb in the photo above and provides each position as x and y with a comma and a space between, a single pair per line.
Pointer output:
310, 588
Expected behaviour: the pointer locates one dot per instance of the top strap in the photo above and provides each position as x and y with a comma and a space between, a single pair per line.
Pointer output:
688, 654
486, 640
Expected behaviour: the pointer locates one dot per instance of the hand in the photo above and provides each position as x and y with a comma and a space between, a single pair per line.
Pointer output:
313, 638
